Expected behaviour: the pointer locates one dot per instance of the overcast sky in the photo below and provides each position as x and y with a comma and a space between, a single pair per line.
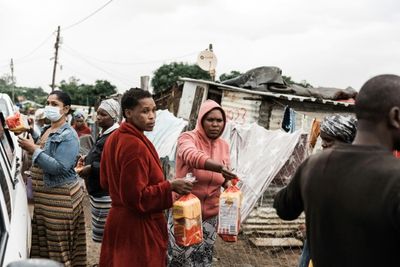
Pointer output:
328, 43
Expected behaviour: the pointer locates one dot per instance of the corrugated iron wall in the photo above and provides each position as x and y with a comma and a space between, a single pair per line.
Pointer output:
272, 115
241, 107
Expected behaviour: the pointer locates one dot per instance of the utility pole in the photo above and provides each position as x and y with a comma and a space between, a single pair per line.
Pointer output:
144, 82
55, 58
211, 70
12, 79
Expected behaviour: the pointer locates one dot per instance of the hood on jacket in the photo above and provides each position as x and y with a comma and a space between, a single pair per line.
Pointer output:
206, 107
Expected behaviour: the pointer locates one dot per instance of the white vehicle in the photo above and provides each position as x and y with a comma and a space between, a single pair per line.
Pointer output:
8, 108
15, 221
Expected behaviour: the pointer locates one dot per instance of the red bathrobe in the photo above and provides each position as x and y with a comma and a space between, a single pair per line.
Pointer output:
135, 233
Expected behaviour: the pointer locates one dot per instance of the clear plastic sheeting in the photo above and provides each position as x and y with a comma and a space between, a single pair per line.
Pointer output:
165, 133
257, 155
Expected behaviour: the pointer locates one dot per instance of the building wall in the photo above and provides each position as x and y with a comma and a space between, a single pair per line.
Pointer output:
189, 102
241, 107
271, 113
169, 99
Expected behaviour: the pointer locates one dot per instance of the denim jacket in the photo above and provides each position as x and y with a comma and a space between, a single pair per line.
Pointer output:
58, 157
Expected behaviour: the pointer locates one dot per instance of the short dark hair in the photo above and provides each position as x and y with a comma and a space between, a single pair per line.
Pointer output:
377, 96
62, 96
130, 98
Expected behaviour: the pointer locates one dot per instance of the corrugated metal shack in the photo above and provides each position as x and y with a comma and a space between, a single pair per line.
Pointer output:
266, 109
246, 106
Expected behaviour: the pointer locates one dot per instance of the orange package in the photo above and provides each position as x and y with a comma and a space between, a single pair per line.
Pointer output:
186, 212
18, 123
230, 203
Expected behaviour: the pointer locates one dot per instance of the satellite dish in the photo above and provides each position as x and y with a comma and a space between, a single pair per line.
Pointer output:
207, 60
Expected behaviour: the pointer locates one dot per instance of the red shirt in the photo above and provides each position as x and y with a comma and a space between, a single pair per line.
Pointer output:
84, 130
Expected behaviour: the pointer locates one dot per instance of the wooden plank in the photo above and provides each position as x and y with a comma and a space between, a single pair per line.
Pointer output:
274, 233
197, 101
270, 227
273, 221
276, 242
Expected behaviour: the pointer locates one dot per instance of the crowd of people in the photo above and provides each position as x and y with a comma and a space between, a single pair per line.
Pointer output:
349, 191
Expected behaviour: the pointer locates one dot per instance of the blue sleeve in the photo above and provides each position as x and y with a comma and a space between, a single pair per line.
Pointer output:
64, 157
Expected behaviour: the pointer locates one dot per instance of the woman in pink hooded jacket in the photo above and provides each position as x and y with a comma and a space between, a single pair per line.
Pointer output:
204, 154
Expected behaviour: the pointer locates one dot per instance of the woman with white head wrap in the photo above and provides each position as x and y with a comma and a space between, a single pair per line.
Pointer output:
112, 107
337, 128
108, 114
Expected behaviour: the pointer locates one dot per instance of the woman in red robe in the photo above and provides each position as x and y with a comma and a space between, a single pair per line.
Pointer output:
135, 233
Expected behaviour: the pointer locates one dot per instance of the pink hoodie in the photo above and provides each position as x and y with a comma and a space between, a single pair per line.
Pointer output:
194, 148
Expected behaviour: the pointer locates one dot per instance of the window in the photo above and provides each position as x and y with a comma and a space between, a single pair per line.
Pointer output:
4, 108
5, 189
6, 140
3, 236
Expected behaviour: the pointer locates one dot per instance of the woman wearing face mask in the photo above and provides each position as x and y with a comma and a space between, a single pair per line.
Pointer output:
204, 154
107, 118
58, 225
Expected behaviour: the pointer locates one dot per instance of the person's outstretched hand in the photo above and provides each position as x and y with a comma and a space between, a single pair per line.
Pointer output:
228, 175
181, 186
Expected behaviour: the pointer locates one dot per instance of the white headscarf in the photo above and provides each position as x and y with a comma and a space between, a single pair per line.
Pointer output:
112, 107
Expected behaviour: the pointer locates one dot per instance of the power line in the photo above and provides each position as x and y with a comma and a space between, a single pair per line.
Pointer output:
133, 63
37, 48
87, 17
97, 67
19, 60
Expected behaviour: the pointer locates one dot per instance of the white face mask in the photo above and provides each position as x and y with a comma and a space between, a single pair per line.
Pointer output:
52, 113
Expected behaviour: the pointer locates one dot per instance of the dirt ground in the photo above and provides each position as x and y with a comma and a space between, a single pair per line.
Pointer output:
243, 254
238, 254
93, 249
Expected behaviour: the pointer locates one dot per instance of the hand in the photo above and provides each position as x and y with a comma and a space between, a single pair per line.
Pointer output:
227, 184
27, 144
181, 186
228, 175
84, 171
81, 161
31, 123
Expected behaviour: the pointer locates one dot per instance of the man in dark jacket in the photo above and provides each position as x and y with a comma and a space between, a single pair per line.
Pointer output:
351, 193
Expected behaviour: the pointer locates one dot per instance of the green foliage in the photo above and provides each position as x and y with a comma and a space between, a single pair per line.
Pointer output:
85, 94
168, 74
37, 95
228, 76
81, 94
289, 81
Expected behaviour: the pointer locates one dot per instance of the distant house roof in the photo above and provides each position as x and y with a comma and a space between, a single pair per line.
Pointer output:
289, 97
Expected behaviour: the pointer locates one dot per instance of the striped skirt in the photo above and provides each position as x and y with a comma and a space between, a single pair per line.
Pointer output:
58, 224
100, 208
196, 255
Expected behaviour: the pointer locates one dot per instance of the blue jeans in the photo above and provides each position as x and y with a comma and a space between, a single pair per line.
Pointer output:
305, 255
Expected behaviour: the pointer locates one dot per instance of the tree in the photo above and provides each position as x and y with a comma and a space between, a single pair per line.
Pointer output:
7, 86
86, 94
168, 74
228, 76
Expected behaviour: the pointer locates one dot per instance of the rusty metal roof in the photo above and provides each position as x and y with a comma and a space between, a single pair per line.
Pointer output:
270, 94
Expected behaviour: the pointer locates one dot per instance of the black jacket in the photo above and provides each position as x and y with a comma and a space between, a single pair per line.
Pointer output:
351, 198
93, 158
